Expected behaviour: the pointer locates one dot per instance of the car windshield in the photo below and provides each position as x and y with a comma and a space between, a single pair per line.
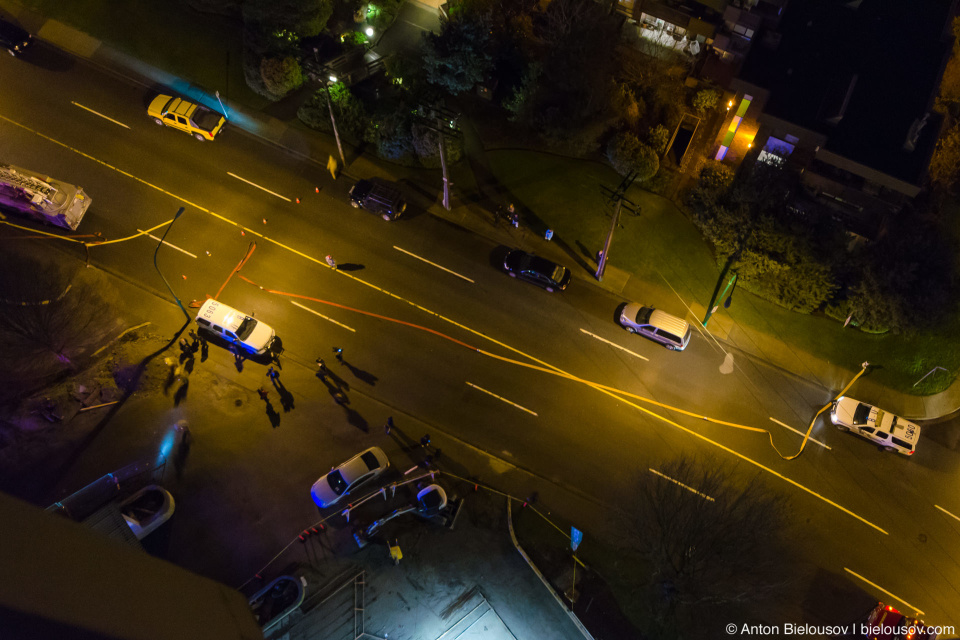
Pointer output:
246, 328
862, 413
643, 315
336, 482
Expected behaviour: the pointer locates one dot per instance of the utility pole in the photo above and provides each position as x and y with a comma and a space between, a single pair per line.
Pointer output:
331, 79
617, 198
157, 267
444, 122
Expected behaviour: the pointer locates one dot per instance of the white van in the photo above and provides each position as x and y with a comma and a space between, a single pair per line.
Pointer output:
237, 328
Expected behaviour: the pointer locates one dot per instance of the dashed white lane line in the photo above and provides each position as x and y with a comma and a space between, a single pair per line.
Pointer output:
254, 184
800, 433
97, 113
432, 264
947, 512
879, 588
614, 344
172, 246
502, 399
317, 313
680, 484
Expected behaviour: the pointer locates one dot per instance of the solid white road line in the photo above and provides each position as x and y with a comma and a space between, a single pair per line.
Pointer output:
502, 399
172, 246
317, 313
875, 586
676, 482
254, 184
614, 344
97, 113
947, 512
800, 433
433, 264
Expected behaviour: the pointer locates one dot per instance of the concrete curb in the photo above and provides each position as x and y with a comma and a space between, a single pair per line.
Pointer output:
543, 579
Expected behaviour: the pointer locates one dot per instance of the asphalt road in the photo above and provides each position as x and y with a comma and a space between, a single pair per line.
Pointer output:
401, 284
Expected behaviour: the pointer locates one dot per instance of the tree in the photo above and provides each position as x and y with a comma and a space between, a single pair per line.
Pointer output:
705, 100
305, 17
280, 76
352, 118
709, 539
457, 58
944, 169
52, 320
909, 277
658, 138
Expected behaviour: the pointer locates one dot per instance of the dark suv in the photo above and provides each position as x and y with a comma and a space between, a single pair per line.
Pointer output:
13, 38
378, 197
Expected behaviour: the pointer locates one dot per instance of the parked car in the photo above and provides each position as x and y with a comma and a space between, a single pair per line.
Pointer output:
659, 326
237, 328
277, 600
13, 38
887, 430
346, 479
147, 509
378, 197
197, 120
539, 271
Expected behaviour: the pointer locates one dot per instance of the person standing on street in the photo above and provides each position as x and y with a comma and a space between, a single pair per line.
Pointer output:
339, 352
332, 262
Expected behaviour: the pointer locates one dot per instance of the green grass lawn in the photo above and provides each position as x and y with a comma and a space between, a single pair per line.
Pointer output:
202, 48
662, 246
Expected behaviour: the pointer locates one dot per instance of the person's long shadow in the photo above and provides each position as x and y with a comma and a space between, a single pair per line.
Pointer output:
336, 386
273, 415
286, 398
364, 376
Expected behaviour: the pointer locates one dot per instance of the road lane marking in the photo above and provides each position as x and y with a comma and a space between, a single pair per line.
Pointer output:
618, 395
502, 399
947, 512
614, 344
878, 587
254, 184
172, 246
678, 483
317, 313
800, 433
97, 113
432, 264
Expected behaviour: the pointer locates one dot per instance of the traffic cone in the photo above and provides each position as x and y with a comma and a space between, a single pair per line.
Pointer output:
318, 189
298, 200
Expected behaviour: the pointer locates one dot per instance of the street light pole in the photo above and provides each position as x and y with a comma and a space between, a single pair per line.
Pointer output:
333, 121
157, 250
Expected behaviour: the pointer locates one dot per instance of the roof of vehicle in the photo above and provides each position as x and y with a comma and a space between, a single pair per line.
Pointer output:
361, 464
8, 30
673, 324
221, 314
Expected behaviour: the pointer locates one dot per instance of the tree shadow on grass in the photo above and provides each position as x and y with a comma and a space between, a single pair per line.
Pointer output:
128, 383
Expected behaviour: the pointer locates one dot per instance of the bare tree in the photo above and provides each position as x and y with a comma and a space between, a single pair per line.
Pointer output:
708, 539
51, 319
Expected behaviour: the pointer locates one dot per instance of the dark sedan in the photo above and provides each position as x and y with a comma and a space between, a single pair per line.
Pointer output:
540, 271
13, 38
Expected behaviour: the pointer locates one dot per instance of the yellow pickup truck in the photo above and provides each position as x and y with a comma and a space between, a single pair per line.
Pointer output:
197, 120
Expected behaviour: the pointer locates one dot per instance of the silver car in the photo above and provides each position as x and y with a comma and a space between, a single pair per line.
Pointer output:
347, 478
659, 326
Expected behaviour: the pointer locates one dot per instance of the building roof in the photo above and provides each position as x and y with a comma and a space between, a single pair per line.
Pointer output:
861, 73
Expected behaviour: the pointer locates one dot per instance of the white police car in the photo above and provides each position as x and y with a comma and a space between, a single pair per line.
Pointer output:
887, 430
